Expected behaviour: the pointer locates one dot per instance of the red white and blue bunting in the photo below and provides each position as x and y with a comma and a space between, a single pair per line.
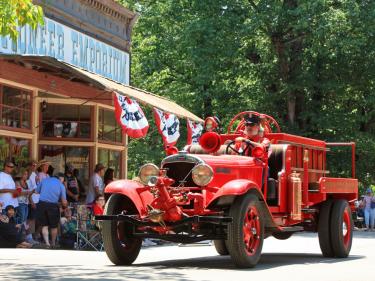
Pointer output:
168, 126
130, 116
194, 131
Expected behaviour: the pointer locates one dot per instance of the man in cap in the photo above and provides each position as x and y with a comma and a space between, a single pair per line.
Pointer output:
8, 191
51, 190
253, 135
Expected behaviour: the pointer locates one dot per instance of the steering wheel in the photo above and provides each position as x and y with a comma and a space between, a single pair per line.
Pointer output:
231, 147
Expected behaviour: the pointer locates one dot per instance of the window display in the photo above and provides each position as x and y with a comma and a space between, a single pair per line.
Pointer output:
111, 159
66, 121
16, 149
15, 107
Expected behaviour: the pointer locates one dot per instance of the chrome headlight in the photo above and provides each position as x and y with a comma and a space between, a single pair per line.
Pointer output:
202, 174
147, 171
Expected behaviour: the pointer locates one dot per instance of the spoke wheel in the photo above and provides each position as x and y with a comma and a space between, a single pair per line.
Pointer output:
121, 248
251, 230
341, 229
246, 232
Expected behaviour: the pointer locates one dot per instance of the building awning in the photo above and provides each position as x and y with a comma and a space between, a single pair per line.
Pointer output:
58, 68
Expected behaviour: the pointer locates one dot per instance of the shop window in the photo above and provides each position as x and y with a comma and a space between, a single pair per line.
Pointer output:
15, 107
59, 156
66, 121
108, 129
16, 149
111, 159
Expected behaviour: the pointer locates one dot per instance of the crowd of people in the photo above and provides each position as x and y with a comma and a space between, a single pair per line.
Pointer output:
366, 210
36, 205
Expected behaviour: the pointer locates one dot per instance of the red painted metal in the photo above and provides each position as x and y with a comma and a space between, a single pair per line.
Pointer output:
305, 194
251, 230
235, 175
135, 191
346, 228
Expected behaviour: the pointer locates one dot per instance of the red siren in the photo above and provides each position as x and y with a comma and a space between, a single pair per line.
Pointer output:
210, 142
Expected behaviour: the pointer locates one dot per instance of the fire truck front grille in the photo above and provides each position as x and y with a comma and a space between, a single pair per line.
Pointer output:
181, 173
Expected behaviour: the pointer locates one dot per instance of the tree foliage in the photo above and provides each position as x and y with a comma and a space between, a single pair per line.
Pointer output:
307, 63
17, 13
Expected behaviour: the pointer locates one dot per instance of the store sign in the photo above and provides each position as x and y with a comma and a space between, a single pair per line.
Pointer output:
66, 44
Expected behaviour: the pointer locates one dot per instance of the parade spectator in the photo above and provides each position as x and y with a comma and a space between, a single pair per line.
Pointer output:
23, 197
50, 170
51, 190
108, 176
369, 209
10, 212
98, 206
68, 226
10, 236
72, 188
8, 191
43, 170
33, 202
81, 189
96, 185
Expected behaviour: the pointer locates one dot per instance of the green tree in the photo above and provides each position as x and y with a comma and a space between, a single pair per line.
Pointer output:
307, 63
17, 13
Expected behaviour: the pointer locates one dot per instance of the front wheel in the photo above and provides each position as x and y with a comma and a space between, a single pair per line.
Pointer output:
246, 232
120, 247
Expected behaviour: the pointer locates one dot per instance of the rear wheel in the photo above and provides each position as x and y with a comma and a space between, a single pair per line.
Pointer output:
121, 248
221, 248
246, 232
341, 229
324, 229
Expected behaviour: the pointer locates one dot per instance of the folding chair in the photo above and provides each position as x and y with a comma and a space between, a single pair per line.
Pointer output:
88, 235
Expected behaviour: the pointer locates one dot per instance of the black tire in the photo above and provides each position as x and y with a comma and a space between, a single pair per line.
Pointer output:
122, 251
244, 208
341, 228
282, 235
221, 248
324, 231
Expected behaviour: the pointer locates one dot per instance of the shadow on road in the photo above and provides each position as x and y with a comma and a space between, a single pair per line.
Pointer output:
364, 234
10, 271
161, 270
267, 261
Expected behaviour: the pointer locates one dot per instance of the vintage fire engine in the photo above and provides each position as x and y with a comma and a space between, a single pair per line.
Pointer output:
214, 191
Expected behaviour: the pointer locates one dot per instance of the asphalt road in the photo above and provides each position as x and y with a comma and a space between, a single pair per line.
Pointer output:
297, 258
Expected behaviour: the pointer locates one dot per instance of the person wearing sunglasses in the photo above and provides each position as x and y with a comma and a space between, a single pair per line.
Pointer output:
8, 191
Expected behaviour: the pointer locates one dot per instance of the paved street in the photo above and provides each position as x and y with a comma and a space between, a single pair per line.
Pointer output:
298, 258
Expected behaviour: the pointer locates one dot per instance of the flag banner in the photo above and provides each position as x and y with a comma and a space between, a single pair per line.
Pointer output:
130, 116
168, 126
194, 132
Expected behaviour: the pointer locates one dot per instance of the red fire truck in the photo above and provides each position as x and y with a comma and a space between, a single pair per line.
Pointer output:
213, 191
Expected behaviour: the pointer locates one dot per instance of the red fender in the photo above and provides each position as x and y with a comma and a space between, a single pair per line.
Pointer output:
234, 187
135, 191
